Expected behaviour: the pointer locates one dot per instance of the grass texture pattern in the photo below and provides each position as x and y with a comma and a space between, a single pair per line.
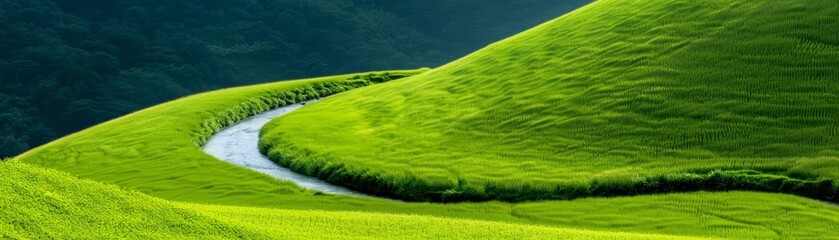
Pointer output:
142, 150
48, 204
579, 103
621, 97
161, 158
41, 203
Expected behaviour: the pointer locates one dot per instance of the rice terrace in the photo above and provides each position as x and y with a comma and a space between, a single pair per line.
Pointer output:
571, 119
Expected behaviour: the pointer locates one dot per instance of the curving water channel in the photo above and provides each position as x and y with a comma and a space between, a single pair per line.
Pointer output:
239, 144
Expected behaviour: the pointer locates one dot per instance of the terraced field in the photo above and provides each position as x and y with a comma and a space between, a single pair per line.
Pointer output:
626, 119
621, 97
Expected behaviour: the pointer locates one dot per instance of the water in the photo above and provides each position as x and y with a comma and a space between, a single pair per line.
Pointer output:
239, 144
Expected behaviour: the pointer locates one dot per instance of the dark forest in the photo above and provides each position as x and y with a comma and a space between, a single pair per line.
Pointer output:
67, 65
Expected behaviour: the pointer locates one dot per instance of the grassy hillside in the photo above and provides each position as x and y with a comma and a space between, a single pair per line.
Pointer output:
579, 106
40, 203
155, 151
69, 64
356, 225
763, 216
621, 97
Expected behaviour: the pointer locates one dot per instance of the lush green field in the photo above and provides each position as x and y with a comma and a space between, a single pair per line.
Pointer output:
355, 225
155, 151
621, 97
40, 203
37, 202
734, 215
556, 112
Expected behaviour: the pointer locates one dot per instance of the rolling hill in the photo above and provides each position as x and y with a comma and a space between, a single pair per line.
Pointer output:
155, 149
621, 97
552, 133
40, 203
156, 152
66, 65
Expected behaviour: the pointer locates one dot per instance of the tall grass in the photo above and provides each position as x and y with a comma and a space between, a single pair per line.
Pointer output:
39, 203
154, 151
619, 97
413, 188
355, 225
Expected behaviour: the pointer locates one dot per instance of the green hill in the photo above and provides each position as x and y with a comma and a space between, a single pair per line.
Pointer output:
156, 151
298, 224
621, 97
67, 64
495, 125
39, 203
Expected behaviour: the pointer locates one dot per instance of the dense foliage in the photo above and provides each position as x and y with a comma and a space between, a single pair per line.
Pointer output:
66, 64
155, 151
621, 97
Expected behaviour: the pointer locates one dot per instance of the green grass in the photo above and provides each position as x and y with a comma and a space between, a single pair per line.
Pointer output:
541, 115
40, 203
355, 225
155, 151
621, 97
736, 215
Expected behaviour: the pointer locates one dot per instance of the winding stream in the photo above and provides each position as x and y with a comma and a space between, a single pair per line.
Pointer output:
239, 144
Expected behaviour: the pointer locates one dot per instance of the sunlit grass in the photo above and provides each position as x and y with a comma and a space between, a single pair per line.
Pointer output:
616, 98
355, 225
42, 203
154, 151
47, 204
495, 128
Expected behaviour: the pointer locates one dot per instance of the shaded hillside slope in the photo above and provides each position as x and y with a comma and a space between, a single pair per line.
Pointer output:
155, 150
616, 98
67, 64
